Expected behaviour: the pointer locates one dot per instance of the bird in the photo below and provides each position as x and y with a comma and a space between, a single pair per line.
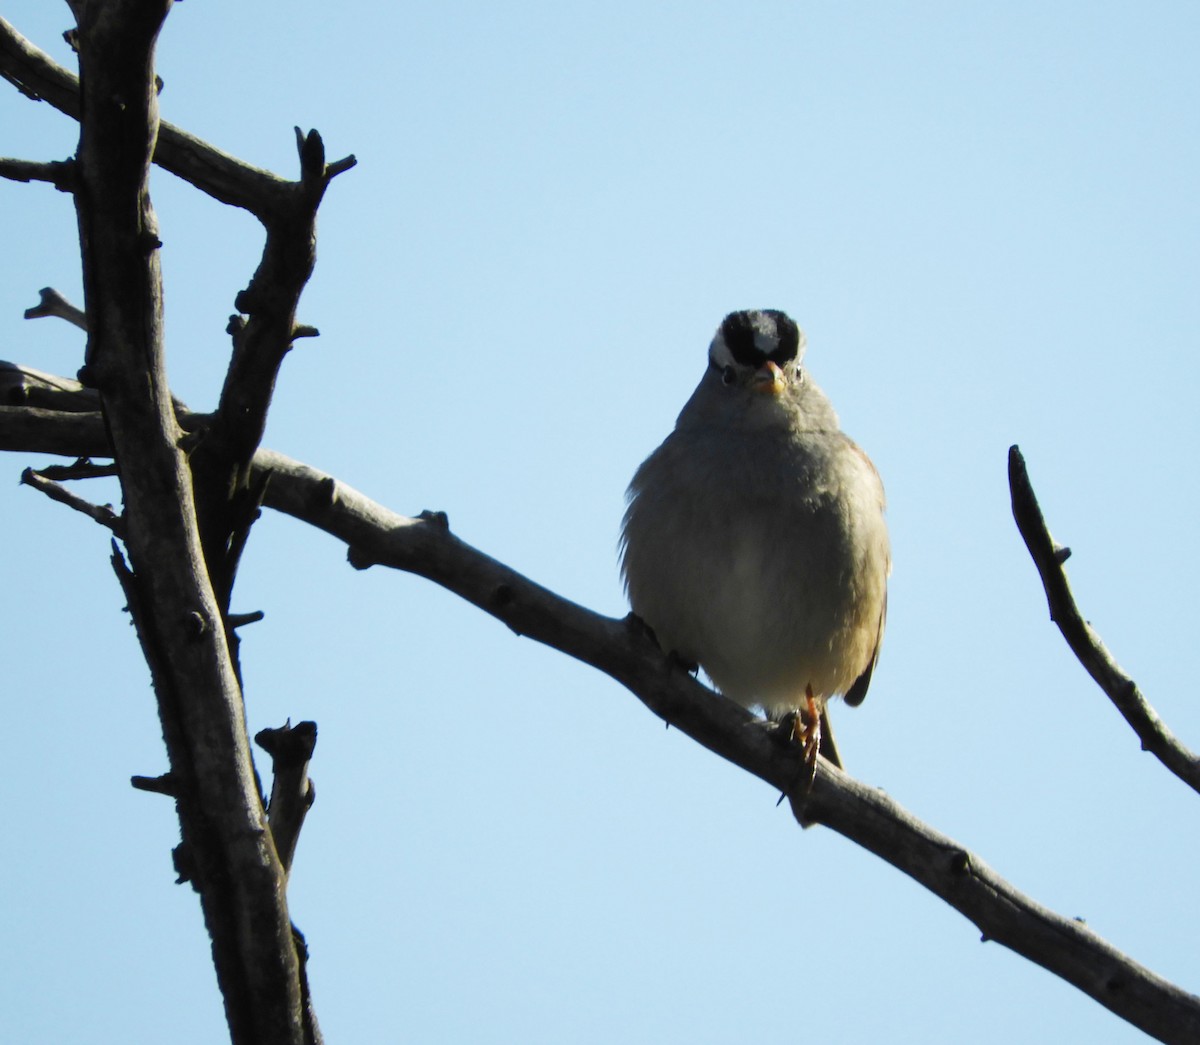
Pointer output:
754, 542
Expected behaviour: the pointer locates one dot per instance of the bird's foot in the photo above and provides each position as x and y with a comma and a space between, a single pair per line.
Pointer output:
690, 666
806, 731
635, 624
802, 726
808, 728
639, 627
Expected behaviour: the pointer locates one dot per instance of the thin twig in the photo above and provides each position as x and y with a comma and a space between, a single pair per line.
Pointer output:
103, 514
83, 468
292, 792
223, 177
59, 173
52, 303
1087, 646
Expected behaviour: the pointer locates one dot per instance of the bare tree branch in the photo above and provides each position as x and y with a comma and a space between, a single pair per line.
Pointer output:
186, 522
37, 430
425, 546
262, 333
103, 514
83, 468
266, 327
218, 174
1087, 646
59, 173
52, 303
229, 852
25, 386
292, 792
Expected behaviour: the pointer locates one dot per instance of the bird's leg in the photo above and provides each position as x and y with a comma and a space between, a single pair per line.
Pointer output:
802, 726
683, 663
806, 731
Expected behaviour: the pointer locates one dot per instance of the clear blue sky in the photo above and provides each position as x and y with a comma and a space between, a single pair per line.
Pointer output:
986, 218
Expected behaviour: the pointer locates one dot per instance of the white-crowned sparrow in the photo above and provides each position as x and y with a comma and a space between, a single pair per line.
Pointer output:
754, 543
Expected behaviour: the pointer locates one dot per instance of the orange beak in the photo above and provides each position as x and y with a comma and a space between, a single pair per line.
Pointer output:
768, 379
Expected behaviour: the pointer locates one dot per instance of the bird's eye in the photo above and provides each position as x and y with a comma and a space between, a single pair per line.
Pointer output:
728, 376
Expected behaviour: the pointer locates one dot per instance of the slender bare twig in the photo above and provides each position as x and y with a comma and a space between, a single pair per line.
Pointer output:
165, 784
52, 303
101, 513
292, 792
83, 468
263, 332
59, 173
1087, 646
222, 176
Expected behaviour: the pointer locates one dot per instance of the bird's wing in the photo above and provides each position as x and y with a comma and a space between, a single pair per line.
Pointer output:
857, 693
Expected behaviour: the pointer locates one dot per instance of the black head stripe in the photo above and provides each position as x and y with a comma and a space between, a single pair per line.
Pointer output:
737, 331
787, 334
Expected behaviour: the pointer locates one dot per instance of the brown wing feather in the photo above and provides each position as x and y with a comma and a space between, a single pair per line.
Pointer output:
857, 693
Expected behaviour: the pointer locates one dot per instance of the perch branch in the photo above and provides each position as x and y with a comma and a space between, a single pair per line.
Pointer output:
426, 547
1087, 646
868, 817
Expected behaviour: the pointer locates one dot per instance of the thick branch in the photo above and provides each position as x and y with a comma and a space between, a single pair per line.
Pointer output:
25, 386
231, 857
1087, 646
425, 546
